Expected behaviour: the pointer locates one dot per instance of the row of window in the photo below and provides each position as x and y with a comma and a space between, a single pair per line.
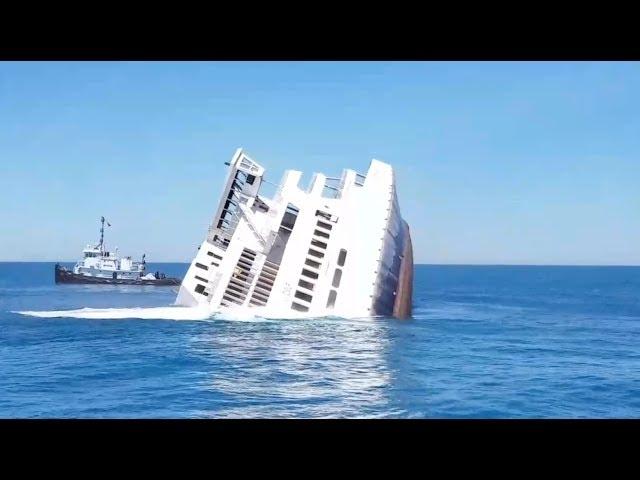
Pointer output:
316, 253
337, 276
316, 250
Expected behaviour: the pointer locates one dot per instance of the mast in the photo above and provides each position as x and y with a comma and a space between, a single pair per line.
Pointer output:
101, 234
101, 244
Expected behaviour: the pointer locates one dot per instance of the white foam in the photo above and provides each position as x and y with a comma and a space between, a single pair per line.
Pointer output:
175, 312
171, 313
158, 313
253, 313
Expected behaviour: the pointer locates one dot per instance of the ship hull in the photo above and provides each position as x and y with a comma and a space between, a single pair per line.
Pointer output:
394, 281
63, 275
402, 307
338, 247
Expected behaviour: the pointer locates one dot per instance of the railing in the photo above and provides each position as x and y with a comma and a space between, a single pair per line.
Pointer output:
252, 227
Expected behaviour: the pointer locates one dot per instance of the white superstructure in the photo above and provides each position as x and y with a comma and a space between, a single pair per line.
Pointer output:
98, 262
338, 248
105, 264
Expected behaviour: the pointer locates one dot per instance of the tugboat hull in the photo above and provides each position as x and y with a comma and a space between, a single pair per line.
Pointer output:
63, 275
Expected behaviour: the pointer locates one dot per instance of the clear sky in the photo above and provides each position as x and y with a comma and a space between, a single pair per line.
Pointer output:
496, 162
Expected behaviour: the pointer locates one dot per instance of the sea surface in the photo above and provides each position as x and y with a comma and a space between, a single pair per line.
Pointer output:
484, 342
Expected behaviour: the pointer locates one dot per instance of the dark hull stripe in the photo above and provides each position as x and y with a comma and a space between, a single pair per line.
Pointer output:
64, 276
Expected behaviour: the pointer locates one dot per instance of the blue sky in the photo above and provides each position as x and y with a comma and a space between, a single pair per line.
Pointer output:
497, 162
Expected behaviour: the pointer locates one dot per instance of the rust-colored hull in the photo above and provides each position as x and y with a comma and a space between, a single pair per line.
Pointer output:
404, 293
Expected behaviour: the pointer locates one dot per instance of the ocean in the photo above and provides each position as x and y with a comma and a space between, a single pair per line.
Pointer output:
484, 342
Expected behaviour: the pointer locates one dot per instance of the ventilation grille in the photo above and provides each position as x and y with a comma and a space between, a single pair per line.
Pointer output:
240, 280
264, 284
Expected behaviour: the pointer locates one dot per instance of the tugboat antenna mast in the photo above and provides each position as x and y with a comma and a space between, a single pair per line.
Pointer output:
101, 245
101, 233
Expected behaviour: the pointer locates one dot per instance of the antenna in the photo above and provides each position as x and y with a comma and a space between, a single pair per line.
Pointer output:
101, 244
101, 234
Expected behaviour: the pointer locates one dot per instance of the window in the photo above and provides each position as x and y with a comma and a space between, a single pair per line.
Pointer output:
250, 179
331, 301
204, 267
303, 296
342, 257
305, 284
318, 244
308, 273
311, 263
316, 253
324, 225
320, 234
320, 213
337, 275
299, 308
200, 289
201, 279
211, 254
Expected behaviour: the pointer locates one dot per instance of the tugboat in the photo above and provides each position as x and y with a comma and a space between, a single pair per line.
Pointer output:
99, 266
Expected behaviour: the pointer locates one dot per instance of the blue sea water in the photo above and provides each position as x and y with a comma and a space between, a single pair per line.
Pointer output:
484, 342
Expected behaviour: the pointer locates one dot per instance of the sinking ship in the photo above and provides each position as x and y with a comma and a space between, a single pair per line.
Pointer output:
100, 266
337, 248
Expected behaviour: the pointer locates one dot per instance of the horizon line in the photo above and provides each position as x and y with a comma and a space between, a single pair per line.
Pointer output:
415, 264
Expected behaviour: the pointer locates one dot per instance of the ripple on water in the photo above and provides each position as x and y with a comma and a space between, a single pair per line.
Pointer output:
485, 342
